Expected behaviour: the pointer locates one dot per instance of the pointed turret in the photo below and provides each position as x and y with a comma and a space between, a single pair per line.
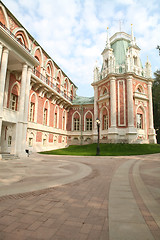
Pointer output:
96, 72
148, 71
108, 45
132, 36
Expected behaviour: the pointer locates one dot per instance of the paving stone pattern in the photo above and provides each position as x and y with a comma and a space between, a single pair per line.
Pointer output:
79, 210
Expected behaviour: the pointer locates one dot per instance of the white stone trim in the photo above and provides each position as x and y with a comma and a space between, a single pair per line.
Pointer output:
25, 33
42, 60
47, 63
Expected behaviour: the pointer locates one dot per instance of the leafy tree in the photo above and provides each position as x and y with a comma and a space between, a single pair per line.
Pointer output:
156, 103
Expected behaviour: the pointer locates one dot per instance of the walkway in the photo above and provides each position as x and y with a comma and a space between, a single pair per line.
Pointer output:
80, 198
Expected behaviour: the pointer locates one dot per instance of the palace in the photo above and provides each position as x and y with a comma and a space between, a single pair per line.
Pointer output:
39, 108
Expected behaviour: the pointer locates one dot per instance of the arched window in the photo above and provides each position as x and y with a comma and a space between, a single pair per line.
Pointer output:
76, 122
64, 120
105, 120
89, 122
30, 140
46, 113
44, 140
106, 63
32, 109
139, 89
120, 69
135, 60
56, 117
14, 97
140, 118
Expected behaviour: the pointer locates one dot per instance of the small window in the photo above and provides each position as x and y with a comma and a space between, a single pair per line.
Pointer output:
55, 120
135, 61
89, 124
105, 122
9, 141
120, 69
30, 142
31, 113
76, 124
13, 102
45, 117
44, 141
139, 121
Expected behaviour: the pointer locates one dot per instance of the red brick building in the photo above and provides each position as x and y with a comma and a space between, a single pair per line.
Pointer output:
39, 109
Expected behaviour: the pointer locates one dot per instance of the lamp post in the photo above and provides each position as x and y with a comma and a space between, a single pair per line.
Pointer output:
98, 125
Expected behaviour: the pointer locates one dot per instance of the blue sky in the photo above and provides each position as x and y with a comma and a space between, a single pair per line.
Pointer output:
73, 32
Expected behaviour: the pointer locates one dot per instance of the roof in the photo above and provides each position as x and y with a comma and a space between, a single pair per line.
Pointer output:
79, 100
119, 50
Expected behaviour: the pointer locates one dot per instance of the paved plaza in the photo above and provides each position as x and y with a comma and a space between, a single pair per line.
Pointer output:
80, 198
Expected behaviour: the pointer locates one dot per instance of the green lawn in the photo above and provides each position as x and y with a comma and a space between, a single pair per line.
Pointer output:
107, 150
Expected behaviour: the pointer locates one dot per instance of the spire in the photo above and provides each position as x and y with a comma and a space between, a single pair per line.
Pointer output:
108, 41
132, 36
96, 72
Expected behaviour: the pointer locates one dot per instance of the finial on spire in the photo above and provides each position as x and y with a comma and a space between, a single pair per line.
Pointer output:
108, 42
132, 36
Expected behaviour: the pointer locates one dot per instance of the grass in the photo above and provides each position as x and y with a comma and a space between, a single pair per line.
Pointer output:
107, 150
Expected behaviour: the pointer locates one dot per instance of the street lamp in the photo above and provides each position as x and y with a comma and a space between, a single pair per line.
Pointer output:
98, 125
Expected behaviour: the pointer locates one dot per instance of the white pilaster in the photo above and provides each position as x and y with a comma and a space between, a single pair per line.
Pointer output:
152, 136
112, 131
20, 146
3, 70
22, 92
6, 89
26, 107
95, 113
131, 129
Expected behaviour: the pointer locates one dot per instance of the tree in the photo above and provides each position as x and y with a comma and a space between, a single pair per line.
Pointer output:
156, 103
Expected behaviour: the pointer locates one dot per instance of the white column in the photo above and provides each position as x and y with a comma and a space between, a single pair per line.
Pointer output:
27, 90
132, 132
26, 107
130, 102
151, 132
6, 89
95, 113
3, 71
22, 92
20, 146
95, 106
113, 101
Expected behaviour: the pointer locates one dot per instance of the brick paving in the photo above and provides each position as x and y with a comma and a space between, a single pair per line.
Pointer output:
74, 211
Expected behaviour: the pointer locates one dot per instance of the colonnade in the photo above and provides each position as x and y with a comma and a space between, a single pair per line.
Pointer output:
23, 100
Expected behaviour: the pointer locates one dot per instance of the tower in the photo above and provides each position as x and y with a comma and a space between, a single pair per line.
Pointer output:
123, 97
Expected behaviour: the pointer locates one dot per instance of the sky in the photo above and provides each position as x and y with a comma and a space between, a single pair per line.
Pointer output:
74, 32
